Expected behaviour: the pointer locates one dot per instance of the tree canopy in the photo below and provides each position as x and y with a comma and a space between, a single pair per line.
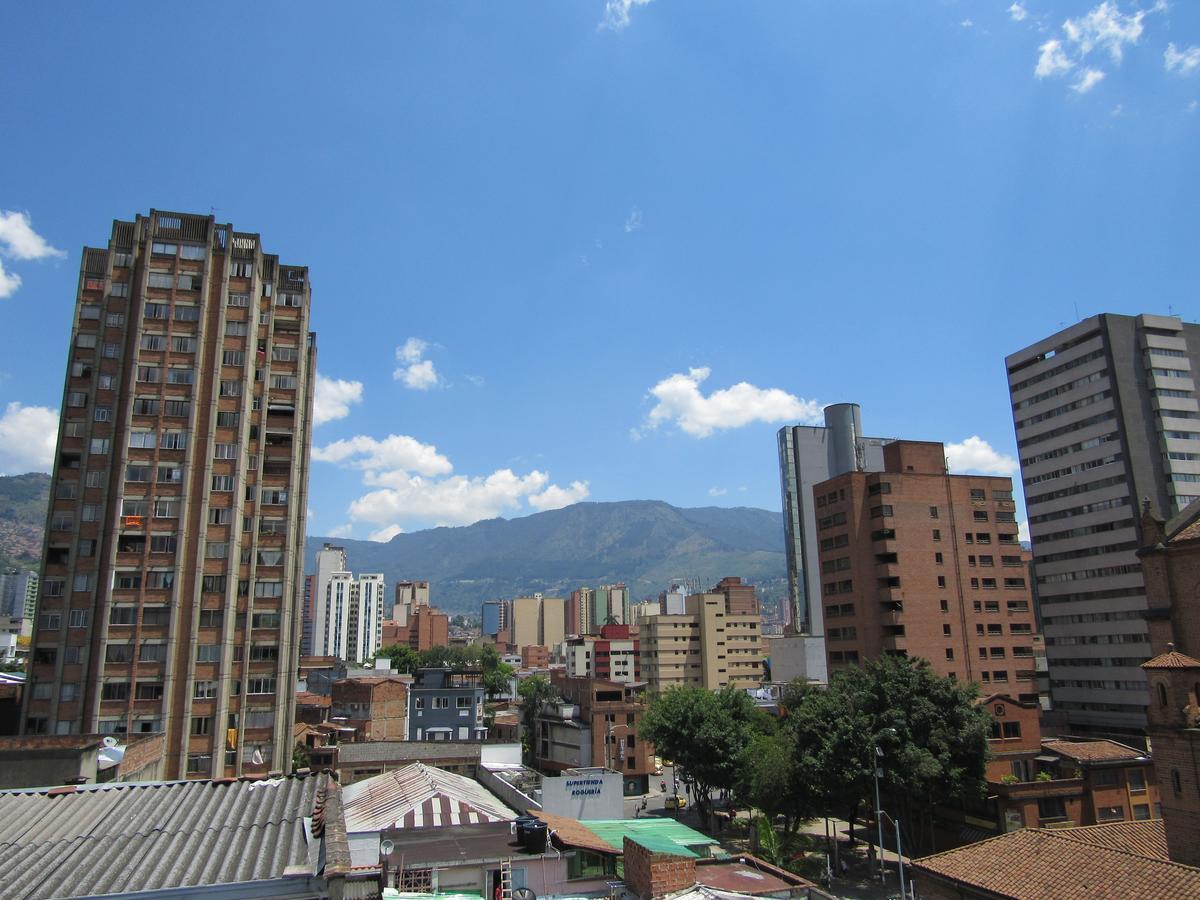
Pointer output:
705, 734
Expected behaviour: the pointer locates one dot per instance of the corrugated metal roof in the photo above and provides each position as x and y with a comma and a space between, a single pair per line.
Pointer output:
660, 835
113, 838
419, 796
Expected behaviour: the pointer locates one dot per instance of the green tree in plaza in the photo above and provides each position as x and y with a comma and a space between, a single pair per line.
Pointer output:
705, 734
497, 679
932, 736
533, 691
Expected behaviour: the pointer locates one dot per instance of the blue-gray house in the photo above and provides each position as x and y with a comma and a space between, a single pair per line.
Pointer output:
444, 705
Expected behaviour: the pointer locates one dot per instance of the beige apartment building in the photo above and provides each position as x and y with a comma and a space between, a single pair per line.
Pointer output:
538, 621
173, 563
705, 646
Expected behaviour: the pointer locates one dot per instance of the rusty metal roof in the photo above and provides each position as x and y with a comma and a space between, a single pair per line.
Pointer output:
94, 840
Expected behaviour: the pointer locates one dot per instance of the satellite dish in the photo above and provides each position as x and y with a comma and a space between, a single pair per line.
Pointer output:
386, 847
109, 741
524, 894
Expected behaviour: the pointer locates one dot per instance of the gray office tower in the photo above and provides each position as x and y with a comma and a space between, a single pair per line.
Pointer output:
808, 455
1107, 419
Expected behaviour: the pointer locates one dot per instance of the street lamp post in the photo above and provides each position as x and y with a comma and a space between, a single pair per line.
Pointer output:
899, 851
877, 770
878, 821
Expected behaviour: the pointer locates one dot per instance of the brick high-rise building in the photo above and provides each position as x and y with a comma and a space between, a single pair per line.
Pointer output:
918, 562
174, 540
1107, 417
808, 455
741, 599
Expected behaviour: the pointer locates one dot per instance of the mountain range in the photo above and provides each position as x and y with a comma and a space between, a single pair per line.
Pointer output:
23, 502
642, 543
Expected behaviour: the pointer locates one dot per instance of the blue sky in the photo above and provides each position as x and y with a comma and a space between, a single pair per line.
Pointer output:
547, 240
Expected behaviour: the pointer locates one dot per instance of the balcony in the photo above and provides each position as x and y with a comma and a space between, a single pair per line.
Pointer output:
895, 643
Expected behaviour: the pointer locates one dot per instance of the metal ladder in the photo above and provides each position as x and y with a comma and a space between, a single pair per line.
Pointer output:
506, 889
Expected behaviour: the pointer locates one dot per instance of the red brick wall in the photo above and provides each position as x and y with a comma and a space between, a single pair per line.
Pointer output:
920, 539
650, 875
143, 759
1176, 759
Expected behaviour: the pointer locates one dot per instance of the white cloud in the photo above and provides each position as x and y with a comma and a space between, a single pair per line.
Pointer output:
420, 376
717, 491
396, 451
681, 401
1105, 27
1018, 12
1116, 111
411, 350
334, 397
1023, 531
1102, 28
978, 456
477, 380
555, 497
1088, 79
416, 372
9, 282
634, 221
385, 534
1051, 60
344, 530
450, 501
966, 23
1193, 106
28, 435
616, 13
1182, 61
18, 240
408, 490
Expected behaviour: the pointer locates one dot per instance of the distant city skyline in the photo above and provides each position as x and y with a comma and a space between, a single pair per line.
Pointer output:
606, 250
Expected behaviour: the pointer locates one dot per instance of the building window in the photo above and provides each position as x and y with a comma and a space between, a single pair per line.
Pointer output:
980, 515
1111, 814
208, 653
153, 652
941, 581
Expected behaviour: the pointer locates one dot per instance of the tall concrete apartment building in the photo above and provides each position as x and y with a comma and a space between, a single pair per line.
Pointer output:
174, 539
1106, 418
538, 621
18, 593
915, 561
808, 455
705, 645
495, 618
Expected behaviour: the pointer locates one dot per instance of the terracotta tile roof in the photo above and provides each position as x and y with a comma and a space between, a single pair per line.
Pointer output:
306, 698
1046, 864
80, 742
573, 833
1190, 533
1148, 838
1172, 659
1093, 751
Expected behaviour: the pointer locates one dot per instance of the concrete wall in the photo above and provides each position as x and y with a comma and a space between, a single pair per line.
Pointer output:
586, 795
